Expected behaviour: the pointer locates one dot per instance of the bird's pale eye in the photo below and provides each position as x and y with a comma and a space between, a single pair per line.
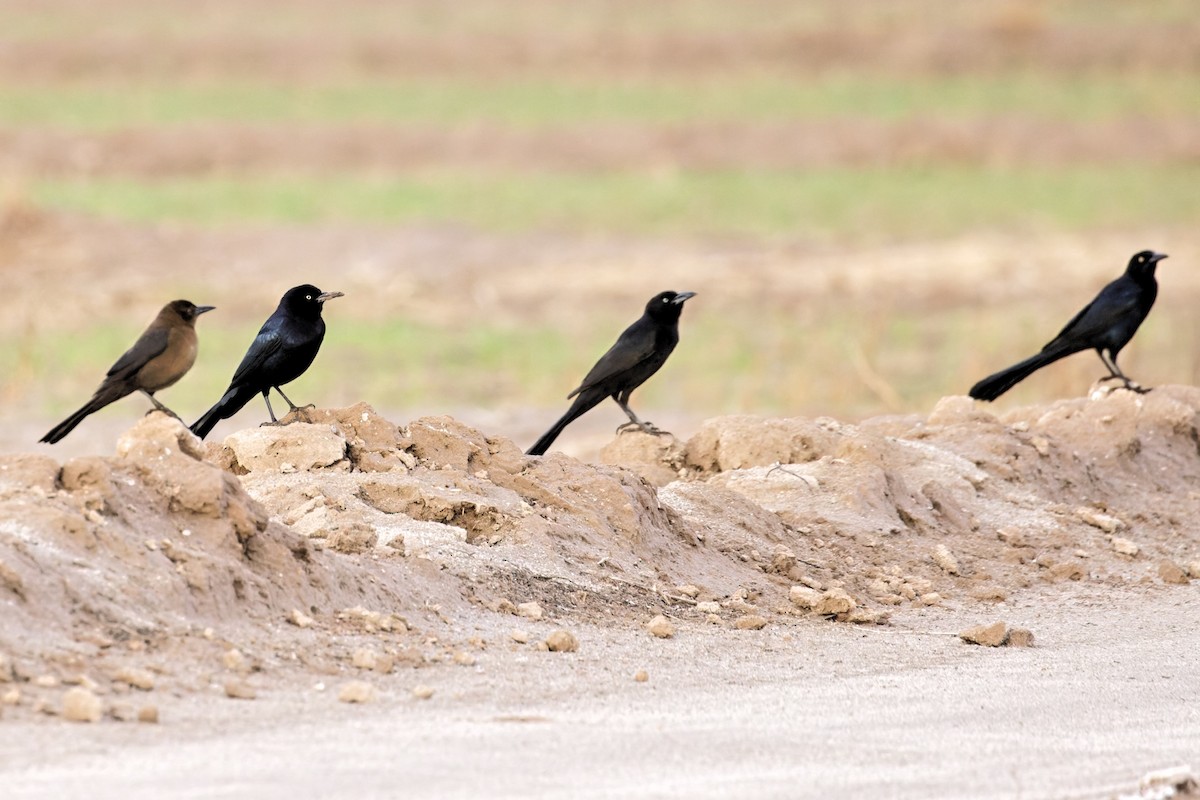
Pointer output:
308, 297
666, 299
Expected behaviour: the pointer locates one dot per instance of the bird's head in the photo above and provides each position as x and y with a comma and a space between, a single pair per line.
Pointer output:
1142, 264
306, 300
186, 310
667, 306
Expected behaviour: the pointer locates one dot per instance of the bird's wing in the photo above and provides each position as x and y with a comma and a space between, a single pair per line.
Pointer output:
1115, 301
632, 348
149, 345
267, 342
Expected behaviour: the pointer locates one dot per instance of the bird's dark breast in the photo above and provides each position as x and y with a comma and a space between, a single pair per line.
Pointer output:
290, 361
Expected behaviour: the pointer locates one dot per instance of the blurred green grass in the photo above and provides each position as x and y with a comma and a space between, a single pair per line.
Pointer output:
542, 101
843, 356
65, 21
833, 202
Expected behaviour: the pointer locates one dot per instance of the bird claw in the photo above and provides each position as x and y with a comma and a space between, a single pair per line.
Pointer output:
1137, 388
645, 427
166, 411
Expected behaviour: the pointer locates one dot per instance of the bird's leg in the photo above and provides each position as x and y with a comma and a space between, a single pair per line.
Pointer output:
1116, 374
271, 411
159, 406
295, 409
634, 422
291, 406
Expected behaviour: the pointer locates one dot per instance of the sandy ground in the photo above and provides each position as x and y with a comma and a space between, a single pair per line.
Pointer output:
240, 590
811, 710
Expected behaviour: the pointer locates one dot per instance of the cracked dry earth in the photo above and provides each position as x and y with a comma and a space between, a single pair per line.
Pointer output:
345, 607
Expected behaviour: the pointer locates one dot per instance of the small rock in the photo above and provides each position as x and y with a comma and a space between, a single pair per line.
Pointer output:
81, 705
300, 619
562, 642
661, 627
1019, 637
384, 664
713, 619
641, 676
1171, 572
804, 596
422, 692
465, 659
364, 658
46, 681
6, 669
137, 678
1097, 520
501, 605
834, 601
990, 594
148, 714
530, 610
865, 616
123, 712
931, 599
356, 692
945, 559
11, 698
82, 680
1193, 569
1068, 570
520, 637
708, 607
688, 590
987, 635
239, 690
750, 622
1124, 546
233, 660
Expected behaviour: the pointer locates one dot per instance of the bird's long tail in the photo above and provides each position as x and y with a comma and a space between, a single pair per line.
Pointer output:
993, 386
59, 431
234, 399
107, 393
583, 403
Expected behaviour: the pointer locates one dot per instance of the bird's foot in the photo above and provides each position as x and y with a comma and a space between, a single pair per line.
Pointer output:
1113, 378
1136, 387
163, 410
644, 427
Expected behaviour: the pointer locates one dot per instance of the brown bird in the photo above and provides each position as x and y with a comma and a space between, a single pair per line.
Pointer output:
161, 356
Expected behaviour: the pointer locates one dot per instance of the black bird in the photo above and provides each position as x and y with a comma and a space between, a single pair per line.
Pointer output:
284, 348
637, 354
161, 356
1106, 324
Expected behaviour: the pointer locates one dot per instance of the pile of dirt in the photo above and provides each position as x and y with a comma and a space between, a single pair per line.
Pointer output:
341, 541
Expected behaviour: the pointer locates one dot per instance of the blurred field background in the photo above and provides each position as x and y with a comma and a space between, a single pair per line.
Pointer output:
878, 202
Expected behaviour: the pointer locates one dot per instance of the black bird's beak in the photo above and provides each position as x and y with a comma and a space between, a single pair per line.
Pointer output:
681, 297
323, 296
204, 309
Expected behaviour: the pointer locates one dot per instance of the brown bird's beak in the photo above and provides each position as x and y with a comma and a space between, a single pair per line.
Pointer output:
204, 309
681, 297
323, 296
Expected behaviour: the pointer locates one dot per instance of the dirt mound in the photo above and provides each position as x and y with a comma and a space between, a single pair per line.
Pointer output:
342, 523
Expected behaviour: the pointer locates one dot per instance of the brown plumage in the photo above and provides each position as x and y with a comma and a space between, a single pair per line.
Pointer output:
161, 356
